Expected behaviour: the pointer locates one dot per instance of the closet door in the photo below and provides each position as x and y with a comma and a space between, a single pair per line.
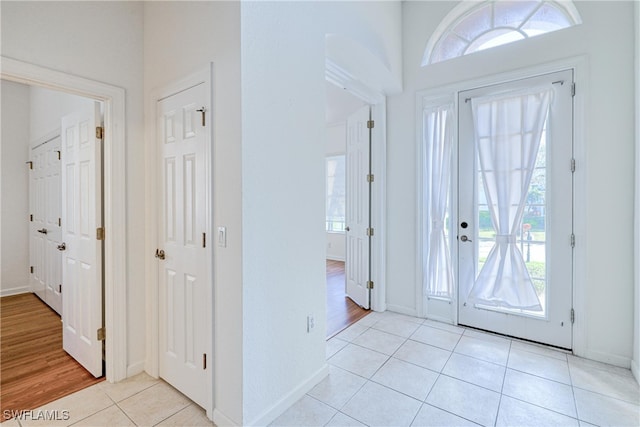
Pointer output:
45, 230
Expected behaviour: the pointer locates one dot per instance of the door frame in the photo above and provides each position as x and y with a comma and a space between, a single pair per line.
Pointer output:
377, 100
152, 198
114, 197
580, 67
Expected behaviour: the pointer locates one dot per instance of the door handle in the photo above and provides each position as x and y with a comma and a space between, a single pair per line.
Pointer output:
160, 254
43, 231
464, 238
62, 246
347, 229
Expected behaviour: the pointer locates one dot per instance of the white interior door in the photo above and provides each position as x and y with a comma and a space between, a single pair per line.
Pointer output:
185, 260
45, 229
358, 208
515, 208
82, 249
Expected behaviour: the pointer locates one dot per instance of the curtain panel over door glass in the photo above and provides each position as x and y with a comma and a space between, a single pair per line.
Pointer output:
508, 129
437, 142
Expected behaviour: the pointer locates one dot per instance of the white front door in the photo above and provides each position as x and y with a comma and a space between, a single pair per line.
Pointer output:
515, 208
82, 248
184, 257
358, 207
45, 227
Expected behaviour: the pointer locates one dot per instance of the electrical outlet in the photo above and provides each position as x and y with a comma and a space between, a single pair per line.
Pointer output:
311, 323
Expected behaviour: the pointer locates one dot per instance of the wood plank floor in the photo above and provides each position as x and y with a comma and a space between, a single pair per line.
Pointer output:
34, 369
341, 311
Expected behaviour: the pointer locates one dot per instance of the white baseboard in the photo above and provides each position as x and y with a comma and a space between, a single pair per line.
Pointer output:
402, 310
135, 368
221, 419
335, 258
292, 397
635, 369
611, 359
14, 291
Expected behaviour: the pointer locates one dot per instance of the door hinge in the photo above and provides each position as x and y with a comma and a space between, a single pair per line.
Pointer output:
370, 124
573, 316
573, 240
31, 269
30, 163
573, 89
369, 284
204, 240
204, 361
59, 222
100, 233
370, 178
102, 334
31, 217
59, 154
370, 232
99, 132
573, 165
59, 289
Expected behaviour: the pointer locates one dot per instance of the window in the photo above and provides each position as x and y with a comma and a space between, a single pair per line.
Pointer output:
336, 189
476, 26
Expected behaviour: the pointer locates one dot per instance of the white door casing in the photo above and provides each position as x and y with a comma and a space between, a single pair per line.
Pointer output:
184, 266
555, 326
45, 229
82, 253
358, 207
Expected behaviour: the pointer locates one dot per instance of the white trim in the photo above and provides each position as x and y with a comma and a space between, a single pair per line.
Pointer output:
335, 258
290, 398
635, 365
581, 78
135, 368
220, 419
115, 250
402, 310
205, 75
14, 291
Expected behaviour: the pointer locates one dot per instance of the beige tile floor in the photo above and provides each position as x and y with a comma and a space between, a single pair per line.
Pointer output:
395, 370
137, 401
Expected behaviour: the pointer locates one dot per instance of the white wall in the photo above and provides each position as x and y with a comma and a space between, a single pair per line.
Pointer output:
283, 149
47, 107
204, 32
101, 41
336, 144
605, 276
14, 188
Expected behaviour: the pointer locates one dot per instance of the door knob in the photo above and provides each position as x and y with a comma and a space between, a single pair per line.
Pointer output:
160, 254
62, 246
347, 229
43, 231
464, 238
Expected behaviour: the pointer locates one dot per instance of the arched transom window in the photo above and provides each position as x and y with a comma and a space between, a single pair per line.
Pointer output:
473, 26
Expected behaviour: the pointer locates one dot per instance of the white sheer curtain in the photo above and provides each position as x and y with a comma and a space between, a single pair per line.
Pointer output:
508, 129
437, 140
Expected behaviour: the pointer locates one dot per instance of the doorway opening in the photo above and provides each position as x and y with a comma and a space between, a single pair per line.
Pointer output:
344, 261
53, 206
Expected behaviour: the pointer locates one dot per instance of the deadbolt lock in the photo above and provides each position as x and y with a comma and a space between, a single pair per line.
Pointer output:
160, 254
